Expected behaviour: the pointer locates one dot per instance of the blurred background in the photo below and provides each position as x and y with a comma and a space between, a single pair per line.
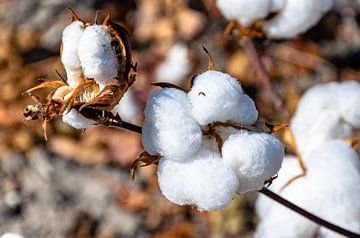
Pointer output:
78, 183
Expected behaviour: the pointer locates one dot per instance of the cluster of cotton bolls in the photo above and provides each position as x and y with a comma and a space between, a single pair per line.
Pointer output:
293, 17
183, 129
88, 52
326, 115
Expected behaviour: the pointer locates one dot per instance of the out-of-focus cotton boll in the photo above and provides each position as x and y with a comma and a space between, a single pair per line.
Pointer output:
174, 133
255, 157
11, 235
97, 55
216, 96
127, 108
332, 178
244, 11
296, 17
69, 54
176, 65
328, 126
203, 181
277, 5
76, 120
349, 102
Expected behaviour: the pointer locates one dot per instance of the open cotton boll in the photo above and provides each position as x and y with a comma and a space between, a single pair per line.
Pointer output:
69, 54
97, 55
296, 17
328, 126
255, 157
127, 108
76, 120
176, 65
349, 101
173, 132
216, 96
203, 181
244, 11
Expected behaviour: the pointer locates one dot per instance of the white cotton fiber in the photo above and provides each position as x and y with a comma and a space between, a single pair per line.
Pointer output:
173, 132
255, 157
216, 96
175, 66
11, 235
277, 5
244, 11
203, 181
127, 108
329, 190
296, 17
97, 55
69, 55
349, 102
326, 127
76, 120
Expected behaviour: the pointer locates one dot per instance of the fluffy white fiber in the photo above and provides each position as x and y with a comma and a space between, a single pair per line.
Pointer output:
296, 17
204, 181
127, 108
172, 130
244, 11
176, 65
97, 55
11, 235
76, 120
329, 190
69, 55
216, 96
255, 157
349, 101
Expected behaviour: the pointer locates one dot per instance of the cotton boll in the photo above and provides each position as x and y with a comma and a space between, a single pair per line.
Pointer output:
349, 101
173, 132
244, 11
277, 5
296, 17
97, 55
255, 157
328, 126
69, 55
216, 96
176, 65
11, 235
203, 181
127, 108
76, 120
147, 140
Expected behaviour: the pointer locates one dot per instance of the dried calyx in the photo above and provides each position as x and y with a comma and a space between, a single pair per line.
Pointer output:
97, 61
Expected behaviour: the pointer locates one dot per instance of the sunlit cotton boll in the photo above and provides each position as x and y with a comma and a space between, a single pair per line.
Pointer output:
170, 127
244, 11
69, 53
76, 120
97, 55
296, 17
204, 181
216, 96
176, 65
255, 157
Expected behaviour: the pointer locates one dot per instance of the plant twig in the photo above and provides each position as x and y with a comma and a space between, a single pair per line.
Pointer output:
266, 192
308, 215
273, 92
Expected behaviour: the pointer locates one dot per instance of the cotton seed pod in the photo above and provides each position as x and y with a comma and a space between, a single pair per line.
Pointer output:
104, 53
170, 127
203, 181
216, 96
255, 157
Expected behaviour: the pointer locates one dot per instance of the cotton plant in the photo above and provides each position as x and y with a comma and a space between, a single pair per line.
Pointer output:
207, 142
97, 61
277, 19
325, 118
